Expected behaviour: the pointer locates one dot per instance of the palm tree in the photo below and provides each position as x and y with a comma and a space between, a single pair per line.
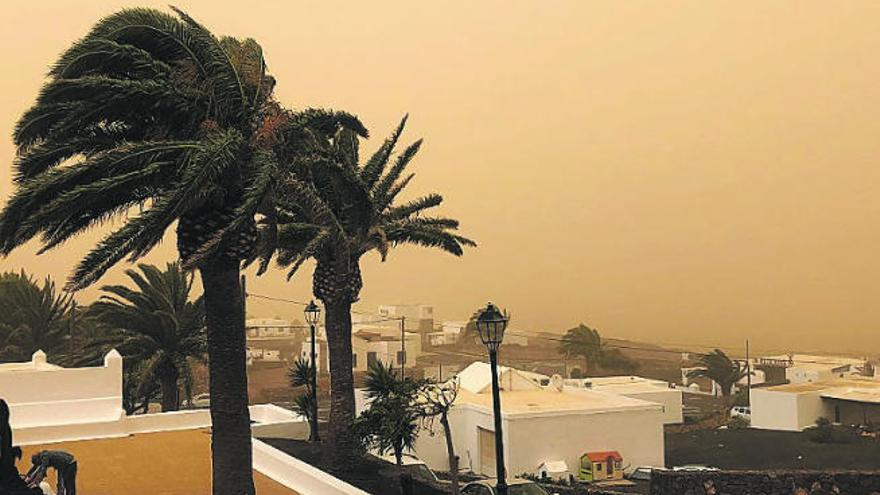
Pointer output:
585, 342
301, 374
153, 111
157, 325
390, 423
333, 210
722, 370
32, 317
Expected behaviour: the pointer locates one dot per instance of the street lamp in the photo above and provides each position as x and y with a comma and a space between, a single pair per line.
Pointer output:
491, 323
313, 314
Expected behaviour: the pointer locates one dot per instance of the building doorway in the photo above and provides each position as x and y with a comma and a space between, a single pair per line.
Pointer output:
487, 451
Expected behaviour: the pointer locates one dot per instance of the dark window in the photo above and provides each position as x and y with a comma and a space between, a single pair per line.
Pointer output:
372, 359
401, 357
354, 360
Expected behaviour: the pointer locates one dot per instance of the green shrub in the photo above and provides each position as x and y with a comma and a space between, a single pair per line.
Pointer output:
739, 423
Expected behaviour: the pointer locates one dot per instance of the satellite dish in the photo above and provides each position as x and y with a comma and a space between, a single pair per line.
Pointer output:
557, 382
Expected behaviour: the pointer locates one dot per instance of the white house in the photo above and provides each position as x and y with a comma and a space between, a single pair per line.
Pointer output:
542, 426
637, 387
269, 328
792, 407
369, 345
807, 368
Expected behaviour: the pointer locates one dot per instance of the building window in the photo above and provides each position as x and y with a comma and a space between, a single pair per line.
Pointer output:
401, 358
354, 360
372, 359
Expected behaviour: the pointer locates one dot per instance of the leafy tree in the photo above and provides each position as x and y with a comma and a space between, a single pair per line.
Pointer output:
333, 210
435, 400
722, 370
33, 317
156, 325
584, 342
152, 111
301, 374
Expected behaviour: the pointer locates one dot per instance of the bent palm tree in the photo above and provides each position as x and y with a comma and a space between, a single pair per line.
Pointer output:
334, 210
585, 342
153, 111
722, 370
157, 325
32, 318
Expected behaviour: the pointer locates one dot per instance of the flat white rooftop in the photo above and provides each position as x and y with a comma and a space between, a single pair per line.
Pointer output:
551, 402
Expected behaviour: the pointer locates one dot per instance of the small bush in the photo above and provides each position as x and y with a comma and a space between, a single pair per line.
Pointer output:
739, 423
827, 432
576, 373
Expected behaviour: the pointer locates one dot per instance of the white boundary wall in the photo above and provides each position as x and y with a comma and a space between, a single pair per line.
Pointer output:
298, 475
42, 394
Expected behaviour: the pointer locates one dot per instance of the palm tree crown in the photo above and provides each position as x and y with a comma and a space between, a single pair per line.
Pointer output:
32, 317
147, 110
336, 208
719, 368
155, 324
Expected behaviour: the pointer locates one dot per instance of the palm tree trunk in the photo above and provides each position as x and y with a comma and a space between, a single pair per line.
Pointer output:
342, 413
170, 396
450, 451
232, 471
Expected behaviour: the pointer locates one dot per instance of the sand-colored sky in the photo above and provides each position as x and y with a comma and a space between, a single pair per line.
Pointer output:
673, 171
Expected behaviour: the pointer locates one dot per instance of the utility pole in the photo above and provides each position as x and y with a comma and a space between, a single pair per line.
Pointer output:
748, 375
402, 347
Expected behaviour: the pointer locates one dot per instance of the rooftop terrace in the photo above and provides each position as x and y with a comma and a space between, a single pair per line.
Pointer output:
141, 464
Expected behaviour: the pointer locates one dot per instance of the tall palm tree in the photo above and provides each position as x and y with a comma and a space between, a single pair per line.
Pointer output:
722, 370
153, 111
157, 325
32, 317
333, 210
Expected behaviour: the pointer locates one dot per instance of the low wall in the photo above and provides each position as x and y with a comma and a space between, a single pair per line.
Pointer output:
765, 482
269, 421
41, 394
298, 475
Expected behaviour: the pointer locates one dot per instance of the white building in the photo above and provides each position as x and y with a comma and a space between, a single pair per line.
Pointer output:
370, 345
808, 368
542, 426
260, 355
793, 407
268, 328
450, 333
637, 387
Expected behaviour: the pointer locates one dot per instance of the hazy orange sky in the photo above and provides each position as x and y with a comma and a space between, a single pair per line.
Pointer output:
670, 171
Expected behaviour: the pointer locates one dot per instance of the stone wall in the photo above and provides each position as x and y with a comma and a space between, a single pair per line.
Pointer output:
765, 483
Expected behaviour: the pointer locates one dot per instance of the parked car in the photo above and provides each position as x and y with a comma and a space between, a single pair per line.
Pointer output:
515, 486
744, 412
695, 468
643, 473
200, 401
415, 466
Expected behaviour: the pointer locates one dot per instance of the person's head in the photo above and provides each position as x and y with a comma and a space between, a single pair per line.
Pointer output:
4, 412
35, 459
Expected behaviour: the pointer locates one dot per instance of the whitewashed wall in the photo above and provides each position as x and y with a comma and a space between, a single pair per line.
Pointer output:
41, 394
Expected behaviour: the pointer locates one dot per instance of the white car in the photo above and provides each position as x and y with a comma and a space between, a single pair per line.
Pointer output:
415, 466
643, 473
515, 486
200, 401
694, 468
744, 412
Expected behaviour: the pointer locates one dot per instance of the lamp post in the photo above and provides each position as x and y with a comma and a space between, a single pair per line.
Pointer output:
313, 314
491, 323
